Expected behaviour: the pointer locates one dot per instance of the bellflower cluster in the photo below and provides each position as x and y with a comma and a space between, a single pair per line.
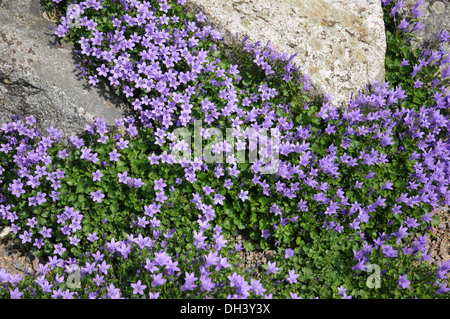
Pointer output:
361, 179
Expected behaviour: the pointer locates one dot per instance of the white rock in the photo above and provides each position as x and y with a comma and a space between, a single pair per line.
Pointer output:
340, 43
4, 232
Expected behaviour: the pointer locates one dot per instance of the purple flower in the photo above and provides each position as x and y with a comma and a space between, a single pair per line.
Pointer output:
161, 258
114, 155
15, 279
418, 84
403, 282
265, 234
189, 282
113, 292
243, 195
123, 178
388, 185
341, 290
46, 232
103, 267
152, 295
427, 218
292, 278
15, 294
272, 268
96, 176
33, 181
97, 196
257, 287
74, 240
443, 289
158, 280
199, 239
159, 185
211, 259
137, 182
132, 131
403, 26
92, 237
289, 252
93, 80
360, 265
16, 188
44, 284
228, 183
59, 249
54, 195
98, 280
404, 62
220, 242
388, 251
89, 268
26, 237
138, 288
161, 197
122, 144
223, 263
208, 190
38, 243
207, 284
218, 199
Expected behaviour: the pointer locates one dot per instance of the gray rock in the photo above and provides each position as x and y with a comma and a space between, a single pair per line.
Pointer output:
25, 11
443, 249
38, 75
340, 44
19, 265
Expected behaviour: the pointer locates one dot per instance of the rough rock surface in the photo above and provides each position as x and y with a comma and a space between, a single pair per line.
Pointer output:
38, 75
340, 44
438, 242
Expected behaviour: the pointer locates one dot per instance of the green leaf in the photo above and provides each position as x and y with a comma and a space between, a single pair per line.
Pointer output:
436, 221
87, 228
81, 188
239, 224
227, 225
114, 208
246, 81
222, 65
307, 271
264, 200
248, 246
315, 147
